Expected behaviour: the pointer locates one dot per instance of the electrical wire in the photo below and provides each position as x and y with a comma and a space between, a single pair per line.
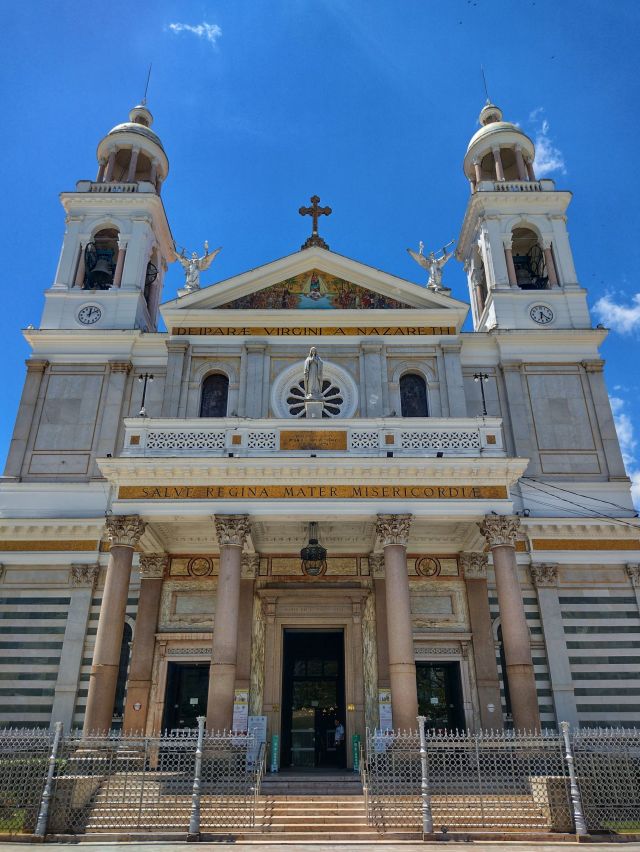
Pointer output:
584, 508
566, 490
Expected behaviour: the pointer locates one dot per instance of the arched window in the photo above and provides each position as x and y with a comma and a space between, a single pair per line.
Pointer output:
528, 260
215, 390
413, 396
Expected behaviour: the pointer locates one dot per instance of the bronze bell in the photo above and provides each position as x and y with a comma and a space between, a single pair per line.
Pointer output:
101, 276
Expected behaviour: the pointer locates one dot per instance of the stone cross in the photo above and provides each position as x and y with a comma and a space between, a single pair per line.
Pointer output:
315, 211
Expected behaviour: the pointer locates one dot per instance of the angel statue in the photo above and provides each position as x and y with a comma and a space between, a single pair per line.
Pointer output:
432, 263
194, 265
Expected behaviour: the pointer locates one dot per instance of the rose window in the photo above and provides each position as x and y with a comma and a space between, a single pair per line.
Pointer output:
331, 393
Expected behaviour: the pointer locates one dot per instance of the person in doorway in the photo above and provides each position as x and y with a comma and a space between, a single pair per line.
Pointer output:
339, 741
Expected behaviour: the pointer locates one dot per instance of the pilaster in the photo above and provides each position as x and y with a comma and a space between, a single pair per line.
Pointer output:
36, 368
82, 578
177, 352
544, 576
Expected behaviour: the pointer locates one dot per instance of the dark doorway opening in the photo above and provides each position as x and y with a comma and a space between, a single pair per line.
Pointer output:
186, 695
313, 699
440, 695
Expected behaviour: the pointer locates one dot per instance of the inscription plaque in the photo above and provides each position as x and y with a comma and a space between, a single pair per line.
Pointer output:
313, 439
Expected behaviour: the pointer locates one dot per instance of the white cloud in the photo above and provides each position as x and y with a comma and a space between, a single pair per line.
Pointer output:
624, 319
628, 444
548, 158
209, 32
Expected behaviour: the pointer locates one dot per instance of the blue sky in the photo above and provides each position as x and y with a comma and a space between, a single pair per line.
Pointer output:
369, 103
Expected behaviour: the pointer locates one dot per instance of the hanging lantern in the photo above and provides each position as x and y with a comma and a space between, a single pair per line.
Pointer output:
313, 556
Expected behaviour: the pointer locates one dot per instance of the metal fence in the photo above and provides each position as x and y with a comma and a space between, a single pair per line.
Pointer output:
185, 782
607, 768
24, 764
503, 781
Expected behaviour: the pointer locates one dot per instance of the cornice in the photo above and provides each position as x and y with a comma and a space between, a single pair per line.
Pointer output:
273, 470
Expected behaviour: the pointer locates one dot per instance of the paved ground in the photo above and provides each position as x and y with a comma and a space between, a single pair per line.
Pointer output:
409, 846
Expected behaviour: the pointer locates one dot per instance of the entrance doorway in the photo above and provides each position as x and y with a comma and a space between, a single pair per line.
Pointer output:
313, 705
440, 695
186, 695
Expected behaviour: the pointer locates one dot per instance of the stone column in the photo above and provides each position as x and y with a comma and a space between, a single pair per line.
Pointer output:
522, 169
500, 532
530, 171
28, 401
152, 569
124, 532
78, 281
133, 164
82, 579
108, 175
154, 171
102, 164
232, 531
544, 577
550, 263
393, 534
498, 161
122, 251
474, 566
478, 171
511, 269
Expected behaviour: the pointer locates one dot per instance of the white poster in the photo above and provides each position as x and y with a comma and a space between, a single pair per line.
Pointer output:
240, 711
258, 727
384, 707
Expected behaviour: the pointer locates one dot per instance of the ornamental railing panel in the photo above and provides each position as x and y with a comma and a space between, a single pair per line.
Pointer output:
484, 781
409, 437
607, 765
130, 784
24, 763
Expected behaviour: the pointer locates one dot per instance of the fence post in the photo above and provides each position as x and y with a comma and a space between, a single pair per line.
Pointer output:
427, 817
576, 800
194, 822
43, 813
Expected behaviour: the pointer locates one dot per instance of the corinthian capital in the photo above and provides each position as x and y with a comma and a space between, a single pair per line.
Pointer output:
393, 529
83, 575
249, 565
543, 574
633, 573
474, 565
500, 529
153, 565
232, 529
125, 529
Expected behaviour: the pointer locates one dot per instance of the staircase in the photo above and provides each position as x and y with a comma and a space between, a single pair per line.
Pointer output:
313, 806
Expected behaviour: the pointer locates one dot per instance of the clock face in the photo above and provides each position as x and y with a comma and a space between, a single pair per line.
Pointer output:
89, 315
541, 314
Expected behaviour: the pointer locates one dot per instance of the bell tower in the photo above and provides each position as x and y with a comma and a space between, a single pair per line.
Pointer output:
514, 242
117, 243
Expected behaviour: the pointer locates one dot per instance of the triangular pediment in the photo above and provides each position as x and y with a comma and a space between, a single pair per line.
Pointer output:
313, 280
314, 290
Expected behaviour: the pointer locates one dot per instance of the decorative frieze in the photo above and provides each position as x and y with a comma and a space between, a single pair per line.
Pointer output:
474, 565
83, 575
249, 566
125, 530
500, 530
153, 565
393, 529
633, 573
232, 530
543, 574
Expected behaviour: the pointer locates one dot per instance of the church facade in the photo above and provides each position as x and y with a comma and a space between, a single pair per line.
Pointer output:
314, 498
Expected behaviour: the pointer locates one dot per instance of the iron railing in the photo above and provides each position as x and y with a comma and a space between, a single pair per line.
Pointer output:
466, 782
